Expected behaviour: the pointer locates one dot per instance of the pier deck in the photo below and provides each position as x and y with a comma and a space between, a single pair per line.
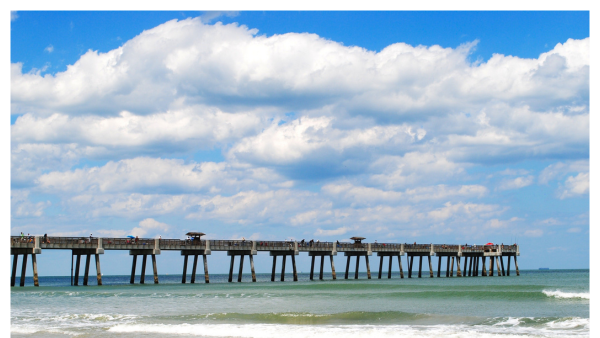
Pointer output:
474, 255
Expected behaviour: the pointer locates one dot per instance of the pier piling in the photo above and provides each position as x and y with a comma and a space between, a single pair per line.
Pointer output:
194, 265
231, 269
464, 271
452, 267
254, 273
77, 262
332, 267
87, 269
312, 267
420, 265
98, 272
242, 268
35, 274
283, 268
347, 267
410, 266
458, 272
143, 274
502, 266
13, 277
24, 267
483, 270
275, 265
368, 267
508, 266
516, 265
400, 266
430, 268
184, 275
389, 268
381, 266
321, 269
356, 271
131, 280
439, 266
447, 266
205, 270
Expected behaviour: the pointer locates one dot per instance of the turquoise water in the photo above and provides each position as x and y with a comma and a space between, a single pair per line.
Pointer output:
551, 303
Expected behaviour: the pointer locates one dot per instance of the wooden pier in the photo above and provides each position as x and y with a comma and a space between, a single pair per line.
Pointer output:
474, 256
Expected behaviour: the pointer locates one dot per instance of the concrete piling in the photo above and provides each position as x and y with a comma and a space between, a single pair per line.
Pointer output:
400, 266
23, 268
156, 270
184, 275
194, 265
458, 272
390, 267
98, 272
205, 270
332, 267
381, 266
321, 268
275, 265
241, 268
87, 269
452, 267
283, 268
368, 267
516, 265
13, 276
356, 271
430, 268
78, 262
347, 267
439, 266
231, 269
254, 273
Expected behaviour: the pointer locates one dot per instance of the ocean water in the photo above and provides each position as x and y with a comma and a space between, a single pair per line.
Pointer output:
552, 303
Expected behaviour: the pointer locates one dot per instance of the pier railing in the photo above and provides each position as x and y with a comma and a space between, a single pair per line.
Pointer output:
115, 243
386, 247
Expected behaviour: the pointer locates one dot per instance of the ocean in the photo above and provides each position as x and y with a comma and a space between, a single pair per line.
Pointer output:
550, 303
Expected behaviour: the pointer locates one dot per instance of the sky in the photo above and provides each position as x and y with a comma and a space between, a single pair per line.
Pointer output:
428, 127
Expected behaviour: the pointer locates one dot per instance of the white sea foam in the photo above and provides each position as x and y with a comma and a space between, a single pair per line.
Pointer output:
561, 294
347, 331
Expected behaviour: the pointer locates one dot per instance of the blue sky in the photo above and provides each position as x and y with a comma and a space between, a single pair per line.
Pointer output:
436, 127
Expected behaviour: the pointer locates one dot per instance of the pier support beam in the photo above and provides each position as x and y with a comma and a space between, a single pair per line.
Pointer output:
502, 266
35, 274
143, 274
452, 267
242, 268
448, 266
275, 265
231, 269
400, 266
184, 275
439, 265
381, 266
347, 268
205, 269
491, 272
194, 265
356, 271
24, 267
483, 271
254, 273
77, 263
508, 266
464, 272
516, 265
87, 269
390, 268
368, 267
312, 267
156, 270
420, 265
470, 265
98, 272
321, 269
131, 280
458, 272
410, 266
283, 269
430, 268
13, 276
332, 267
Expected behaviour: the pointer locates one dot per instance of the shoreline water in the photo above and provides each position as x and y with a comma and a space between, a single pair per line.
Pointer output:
536, 304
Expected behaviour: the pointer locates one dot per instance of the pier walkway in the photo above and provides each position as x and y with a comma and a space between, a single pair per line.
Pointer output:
475, 256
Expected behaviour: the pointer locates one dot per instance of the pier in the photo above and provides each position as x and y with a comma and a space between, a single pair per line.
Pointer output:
473, 256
